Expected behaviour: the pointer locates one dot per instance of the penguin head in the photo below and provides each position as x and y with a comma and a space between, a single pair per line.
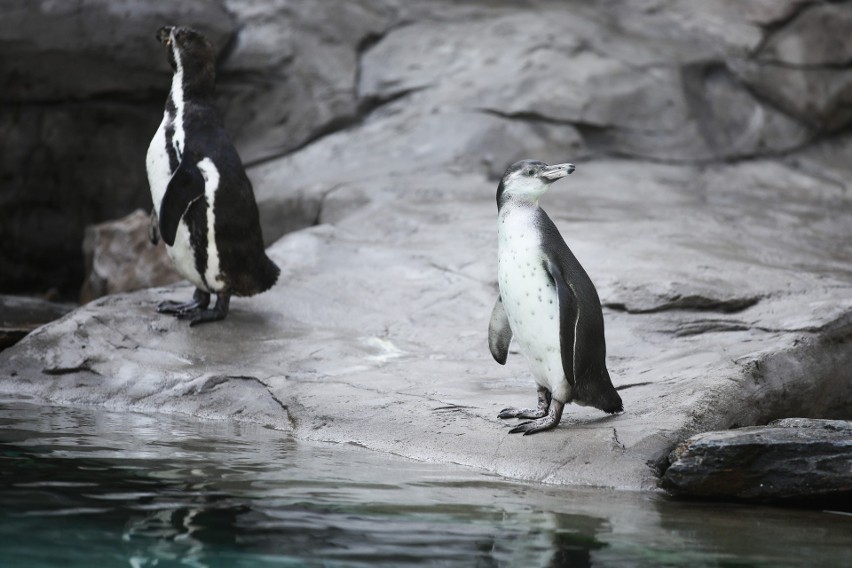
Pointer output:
188, 51
527, 180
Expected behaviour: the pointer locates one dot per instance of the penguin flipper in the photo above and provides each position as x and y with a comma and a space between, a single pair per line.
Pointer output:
185, 186
567, 318
499, 332
154, 228
583, 350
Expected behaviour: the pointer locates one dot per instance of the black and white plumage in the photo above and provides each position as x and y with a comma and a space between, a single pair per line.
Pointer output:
547, 303
204, 206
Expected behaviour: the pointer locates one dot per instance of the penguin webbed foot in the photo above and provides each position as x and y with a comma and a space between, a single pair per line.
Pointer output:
548, 422
200, 301
203, 315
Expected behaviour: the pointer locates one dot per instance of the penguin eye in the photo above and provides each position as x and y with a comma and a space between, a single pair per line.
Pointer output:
530, 172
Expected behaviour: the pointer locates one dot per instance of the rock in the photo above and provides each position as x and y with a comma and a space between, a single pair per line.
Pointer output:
770, 12
805, 67
706, 30
59, 51
292, 71
663, 80
626, 102
120, 258
20, 315
814, 38
73, 165
716, 239
819, 97
422, 143
725, 300
795, 459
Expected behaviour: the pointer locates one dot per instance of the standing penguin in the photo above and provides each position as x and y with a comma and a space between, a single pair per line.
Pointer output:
204, 207
547, 302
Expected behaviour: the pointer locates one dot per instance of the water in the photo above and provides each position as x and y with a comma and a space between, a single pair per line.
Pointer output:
82, 487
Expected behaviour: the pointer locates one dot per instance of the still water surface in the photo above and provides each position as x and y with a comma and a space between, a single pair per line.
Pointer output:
82, 487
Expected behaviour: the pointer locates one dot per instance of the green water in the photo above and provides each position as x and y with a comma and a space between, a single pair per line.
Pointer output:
88, 488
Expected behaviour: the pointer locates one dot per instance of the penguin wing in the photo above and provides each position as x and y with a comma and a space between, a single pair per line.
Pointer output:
567, 316
185, 186
154, 228
499, 332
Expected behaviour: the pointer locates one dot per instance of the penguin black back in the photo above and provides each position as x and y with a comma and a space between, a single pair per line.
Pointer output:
592, 383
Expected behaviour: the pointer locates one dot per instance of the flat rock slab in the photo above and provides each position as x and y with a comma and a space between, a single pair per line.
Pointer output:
727, 301
787, 460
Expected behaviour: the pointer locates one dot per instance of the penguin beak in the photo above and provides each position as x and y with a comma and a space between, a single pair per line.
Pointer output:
164, 35
555, 172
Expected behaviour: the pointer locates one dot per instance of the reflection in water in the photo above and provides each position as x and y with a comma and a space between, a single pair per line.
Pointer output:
135, 490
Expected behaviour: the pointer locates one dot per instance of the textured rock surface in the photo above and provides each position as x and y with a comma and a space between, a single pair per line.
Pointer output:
20, 315
665, 80
120, 258
714, 223
722, 310
791, 459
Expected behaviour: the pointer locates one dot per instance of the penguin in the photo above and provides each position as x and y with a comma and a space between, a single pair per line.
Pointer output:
204, 206
547, 302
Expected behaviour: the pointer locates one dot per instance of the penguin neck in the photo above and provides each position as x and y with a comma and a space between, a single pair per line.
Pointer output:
519, 203
199, 88
192, 83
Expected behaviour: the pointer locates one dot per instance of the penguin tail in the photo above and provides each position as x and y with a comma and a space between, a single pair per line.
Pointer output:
595, 389
269, 274
260, 278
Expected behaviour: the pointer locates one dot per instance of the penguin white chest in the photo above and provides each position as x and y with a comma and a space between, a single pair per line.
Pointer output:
529, 296
158, 165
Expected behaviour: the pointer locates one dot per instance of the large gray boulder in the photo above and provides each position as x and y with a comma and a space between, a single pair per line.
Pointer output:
667, 80
793, 460
726, 304
716, 239
805, 67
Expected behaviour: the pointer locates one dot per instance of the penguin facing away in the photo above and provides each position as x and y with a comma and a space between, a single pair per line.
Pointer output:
204, 206
547, 303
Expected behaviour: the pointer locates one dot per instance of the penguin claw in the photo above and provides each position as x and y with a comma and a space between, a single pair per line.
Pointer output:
533, 426
551, 420
521, 428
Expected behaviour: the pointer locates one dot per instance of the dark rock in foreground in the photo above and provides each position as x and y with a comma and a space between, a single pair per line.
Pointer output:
795, 459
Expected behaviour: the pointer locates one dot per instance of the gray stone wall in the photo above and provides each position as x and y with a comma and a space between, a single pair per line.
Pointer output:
82, 84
